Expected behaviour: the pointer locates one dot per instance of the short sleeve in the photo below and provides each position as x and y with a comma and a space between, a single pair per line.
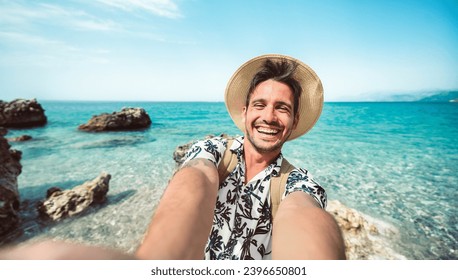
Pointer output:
211, 149
300, 180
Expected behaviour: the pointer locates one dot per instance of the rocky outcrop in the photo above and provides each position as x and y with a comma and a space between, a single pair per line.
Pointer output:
21, 138
10, 169
65, 203
126, 119
21, 113
365, 238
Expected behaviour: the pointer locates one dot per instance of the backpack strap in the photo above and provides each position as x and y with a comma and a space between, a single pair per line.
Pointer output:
228, 162
278, 184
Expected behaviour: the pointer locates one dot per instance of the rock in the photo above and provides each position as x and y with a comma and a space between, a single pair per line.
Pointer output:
365, 238
179, 155
21, 113
126, 119
52, 190
10, 169
21, 138
66, 203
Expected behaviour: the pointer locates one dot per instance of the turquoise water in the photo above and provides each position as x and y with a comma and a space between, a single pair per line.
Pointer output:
396, 162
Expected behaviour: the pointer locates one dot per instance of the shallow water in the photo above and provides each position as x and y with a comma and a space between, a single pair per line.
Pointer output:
396, 162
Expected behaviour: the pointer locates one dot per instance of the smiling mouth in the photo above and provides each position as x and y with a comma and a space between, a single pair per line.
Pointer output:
268, 131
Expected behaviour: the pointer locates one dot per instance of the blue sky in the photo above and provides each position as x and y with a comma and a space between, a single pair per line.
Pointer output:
186, 50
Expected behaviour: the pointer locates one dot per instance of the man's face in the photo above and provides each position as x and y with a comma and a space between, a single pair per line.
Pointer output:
269, 118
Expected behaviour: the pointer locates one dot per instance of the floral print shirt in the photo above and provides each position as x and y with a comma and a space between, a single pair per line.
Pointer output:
242, 221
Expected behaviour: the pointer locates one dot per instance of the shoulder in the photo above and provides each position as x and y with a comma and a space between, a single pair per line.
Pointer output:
301, 180
214, 140
210, 148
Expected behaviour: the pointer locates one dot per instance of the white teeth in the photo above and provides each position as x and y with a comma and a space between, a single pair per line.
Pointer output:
267, 130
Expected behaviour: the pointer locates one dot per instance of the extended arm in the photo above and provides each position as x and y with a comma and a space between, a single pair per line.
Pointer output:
60, 250
182, 222
302, 230
179, 229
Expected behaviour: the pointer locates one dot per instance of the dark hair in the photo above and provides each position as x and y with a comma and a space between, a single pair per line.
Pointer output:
280, 71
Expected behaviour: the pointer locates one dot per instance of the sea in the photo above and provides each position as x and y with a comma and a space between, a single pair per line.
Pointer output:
397, 163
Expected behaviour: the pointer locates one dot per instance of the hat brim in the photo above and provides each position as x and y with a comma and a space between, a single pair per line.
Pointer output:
310, 104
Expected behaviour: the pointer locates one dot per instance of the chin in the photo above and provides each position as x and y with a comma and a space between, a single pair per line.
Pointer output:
263, 146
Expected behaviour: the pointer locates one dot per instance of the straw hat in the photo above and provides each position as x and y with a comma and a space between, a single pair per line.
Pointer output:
310, 104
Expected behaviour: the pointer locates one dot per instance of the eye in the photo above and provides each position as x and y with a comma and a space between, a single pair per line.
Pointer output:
258, 105
284, 109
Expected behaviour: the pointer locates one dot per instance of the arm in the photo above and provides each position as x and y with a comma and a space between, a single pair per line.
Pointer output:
179, 229
182, 222
60, 250
302, 230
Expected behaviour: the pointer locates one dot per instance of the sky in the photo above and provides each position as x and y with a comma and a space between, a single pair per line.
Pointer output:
186, 50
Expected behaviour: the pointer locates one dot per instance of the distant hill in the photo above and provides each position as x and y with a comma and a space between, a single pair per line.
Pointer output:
421, 96
411, 97
446, 96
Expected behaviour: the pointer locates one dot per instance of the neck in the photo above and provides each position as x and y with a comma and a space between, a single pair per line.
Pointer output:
256, 161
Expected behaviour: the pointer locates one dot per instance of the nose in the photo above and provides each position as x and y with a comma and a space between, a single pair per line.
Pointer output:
269, 114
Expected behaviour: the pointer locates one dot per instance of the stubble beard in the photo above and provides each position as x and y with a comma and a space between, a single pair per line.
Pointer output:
267, 148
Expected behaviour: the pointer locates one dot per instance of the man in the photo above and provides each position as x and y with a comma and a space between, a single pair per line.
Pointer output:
272, 99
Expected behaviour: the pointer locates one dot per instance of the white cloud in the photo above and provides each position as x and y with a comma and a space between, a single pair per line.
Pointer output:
36, 51
16, 15
32, 40
163, 8
96, 25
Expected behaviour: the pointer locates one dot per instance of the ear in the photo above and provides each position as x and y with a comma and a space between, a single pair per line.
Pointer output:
244, 114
